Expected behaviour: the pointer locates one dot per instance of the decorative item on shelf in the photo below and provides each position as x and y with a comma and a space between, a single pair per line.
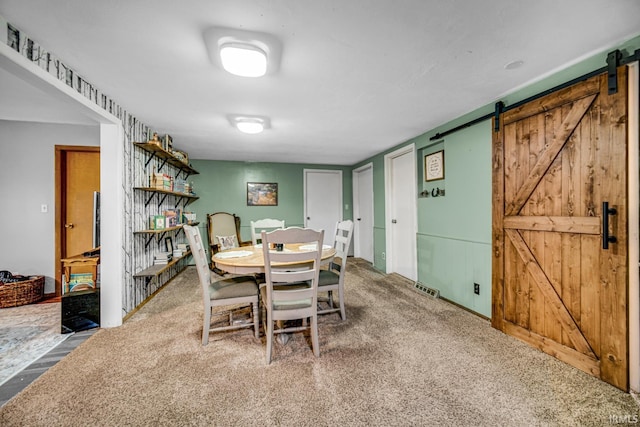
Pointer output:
171, 218
168, 245
181, 155
189, 217
167, 143
155, 140
159, 222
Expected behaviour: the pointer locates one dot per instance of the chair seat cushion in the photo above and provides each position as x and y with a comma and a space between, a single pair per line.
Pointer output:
234, 287
287, 305
328, 278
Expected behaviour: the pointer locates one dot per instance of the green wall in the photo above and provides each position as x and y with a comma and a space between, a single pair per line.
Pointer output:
454, 231
222, 186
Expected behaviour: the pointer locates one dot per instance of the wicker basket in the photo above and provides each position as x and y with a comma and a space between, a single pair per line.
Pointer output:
21, 293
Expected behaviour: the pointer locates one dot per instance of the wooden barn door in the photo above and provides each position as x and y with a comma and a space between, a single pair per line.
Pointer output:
555, 161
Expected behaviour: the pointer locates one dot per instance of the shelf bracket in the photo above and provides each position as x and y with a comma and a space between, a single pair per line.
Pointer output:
148, 241
160, 202
151, 157
178, 202
149, 200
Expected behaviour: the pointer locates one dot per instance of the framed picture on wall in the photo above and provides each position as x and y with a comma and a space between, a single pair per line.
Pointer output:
434, 166
168, 244
262, 194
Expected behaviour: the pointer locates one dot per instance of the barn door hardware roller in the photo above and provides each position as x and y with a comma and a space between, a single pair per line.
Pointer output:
613, 62
606, 238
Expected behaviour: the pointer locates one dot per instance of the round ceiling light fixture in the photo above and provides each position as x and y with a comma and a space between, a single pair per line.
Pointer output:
249, 124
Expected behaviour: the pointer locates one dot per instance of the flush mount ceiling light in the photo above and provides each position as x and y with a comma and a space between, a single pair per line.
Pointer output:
514, 64
243, 53
243, 60
250, 124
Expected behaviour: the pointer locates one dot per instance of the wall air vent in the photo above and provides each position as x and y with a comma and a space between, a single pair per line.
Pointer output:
424, 289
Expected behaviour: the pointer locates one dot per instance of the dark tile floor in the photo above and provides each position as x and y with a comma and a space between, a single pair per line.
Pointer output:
22, 379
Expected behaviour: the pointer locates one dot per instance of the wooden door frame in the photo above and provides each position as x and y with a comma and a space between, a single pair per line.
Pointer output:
60, 152
634, 225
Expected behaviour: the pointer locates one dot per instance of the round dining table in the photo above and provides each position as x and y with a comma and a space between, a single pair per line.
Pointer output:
250, 259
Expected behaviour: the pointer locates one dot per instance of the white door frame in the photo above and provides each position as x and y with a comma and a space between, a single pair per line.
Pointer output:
388, 159
112, 175
304, 190
356, 208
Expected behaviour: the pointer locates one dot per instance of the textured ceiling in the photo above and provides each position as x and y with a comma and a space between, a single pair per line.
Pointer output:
356, 78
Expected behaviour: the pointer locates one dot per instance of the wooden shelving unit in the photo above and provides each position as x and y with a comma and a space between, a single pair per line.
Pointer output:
157, 269
153, 191
166, 156
161, 232
154, 160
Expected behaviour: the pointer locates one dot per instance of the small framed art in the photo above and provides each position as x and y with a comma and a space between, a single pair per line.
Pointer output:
262, 194
434, 166
168, 244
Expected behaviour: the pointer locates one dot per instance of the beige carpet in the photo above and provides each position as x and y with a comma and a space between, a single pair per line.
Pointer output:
401, 359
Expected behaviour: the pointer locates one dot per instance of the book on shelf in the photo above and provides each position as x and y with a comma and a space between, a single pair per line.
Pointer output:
158, 222
80, 282
161, 258
171, 218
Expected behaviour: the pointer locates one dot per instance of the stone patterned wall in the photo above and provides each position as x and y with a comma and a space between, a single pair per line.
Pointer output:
136, 254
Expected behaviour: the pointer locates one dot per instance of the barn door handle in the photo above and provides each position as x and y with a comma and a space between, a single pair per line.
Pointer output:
606, 211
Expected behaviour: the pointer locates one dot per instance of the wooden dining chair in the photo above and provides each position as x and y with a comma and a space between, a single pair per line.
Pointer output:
332, 279
238, 291
223, 231
291, 293
266, 224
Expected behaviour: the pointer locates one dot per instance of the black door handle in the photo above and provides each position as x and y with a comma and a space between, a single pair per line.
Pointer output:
606, 238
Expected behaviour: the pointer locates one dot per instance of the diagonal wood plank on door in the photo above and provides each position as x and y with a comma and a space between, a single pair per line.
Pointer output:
550, 152
546, 287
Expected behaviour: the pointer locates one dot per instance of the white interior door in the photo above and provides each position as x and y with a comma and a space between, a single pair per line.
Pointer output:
400, 183
363, 212
323, 201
